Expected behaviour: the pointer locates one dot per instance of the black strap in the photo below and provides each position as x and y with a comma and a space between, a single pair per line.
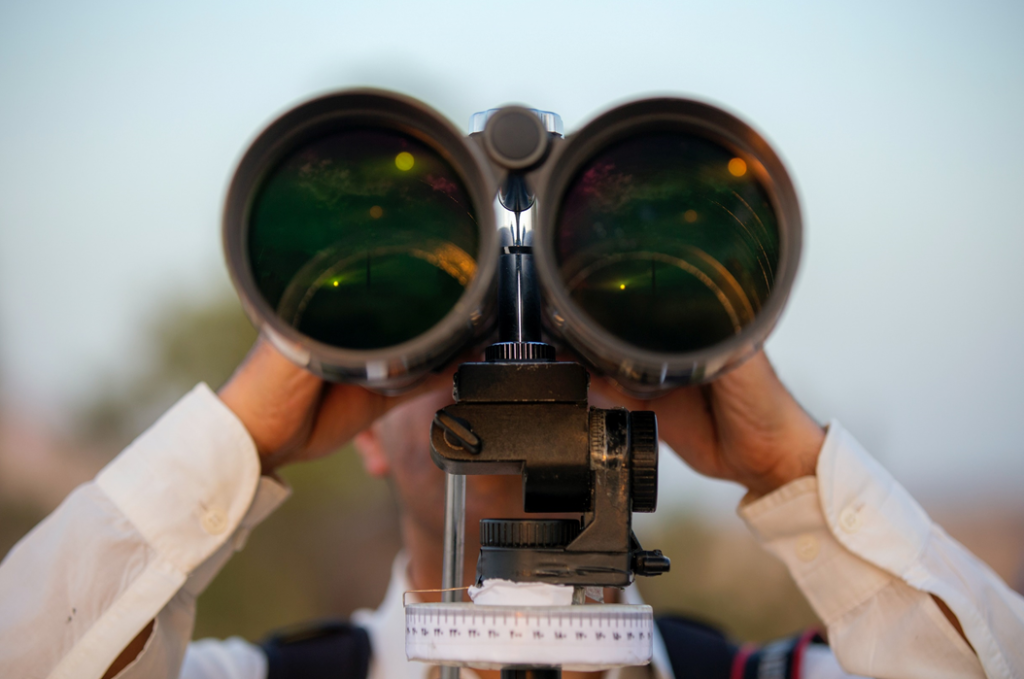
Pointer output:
330, 649
696, 650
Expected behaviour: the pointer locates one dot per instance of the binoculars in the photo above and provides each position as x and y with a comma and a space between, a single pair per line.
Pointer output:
373, 243
366, 236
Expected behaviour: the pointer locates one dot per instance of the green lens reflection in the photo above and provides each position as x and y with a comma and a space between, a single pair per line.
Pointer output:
668, 242
363, 239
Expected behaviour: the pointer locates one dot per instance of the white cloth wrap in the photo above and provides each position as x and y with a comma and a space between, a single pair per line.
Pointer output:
498, 592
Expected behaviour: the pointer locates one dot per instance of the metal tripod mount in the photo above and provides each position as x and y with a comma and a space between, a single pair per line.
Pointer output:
523, 412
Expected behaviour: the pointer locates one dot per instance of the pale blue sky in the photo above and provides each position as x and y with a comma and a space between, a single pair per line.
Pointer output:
901, 123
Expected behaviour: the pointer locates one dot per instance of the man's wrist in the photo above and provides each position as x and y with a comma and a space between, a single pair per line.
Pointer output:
274, 400
801, 460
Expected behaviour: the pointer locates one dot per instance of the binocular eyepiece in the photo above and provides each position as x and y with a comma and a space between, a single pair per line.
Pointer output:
363, 232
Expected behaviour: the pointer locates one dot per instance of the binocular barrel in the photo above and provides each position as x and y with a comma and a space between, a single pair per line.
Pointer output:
367, 236
667, 243
360, 234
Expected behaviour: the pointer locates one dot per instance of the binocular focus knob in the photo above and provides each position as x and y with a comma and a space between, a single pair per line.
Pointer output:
643, 477
516, 138
528, 533
520, 351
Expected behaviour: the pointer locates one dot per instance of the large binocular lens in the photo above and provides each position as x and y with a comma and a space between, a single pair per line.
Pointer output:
360, 231
363, 239
671, 245
667, 242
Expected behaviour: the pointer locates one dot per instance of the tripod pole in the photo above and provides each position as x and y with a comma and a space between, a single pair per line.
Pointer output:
454, 546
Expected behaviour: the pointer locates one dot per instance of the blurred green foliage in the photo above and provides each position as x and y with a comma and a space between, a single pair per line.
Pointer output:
16, 519
188, 342
721, 576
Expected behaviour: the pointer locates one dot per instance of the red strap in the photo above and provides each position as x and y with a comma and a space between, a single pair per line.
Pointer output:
739, 663
798, 652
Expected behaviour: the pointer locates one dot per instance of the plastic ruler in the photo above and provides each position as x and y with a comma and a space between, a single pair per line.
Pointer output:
586, 637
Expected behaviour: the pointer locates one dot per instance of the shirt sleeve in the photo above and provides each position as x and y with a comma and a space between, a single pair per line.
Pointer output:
869, 559
136, 545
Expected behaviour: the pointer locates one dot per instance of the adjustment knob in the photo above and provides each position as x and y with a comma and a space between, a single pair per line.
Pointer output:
643, 445
535, 533
651, 563
520, 352
515, 137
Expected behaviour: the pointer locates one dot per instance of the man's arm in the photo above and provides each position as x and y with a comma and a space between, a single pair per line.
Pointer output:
900, 597
879, 624
106, 585
133, 548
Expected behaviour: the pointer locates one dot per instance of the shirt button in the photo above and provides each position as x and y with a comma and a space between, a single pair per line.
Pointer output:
807, 547
850, 520
214, 521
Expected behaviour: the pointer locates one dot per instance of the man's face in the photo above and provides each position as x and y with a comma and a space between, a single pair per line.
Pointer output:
398, 446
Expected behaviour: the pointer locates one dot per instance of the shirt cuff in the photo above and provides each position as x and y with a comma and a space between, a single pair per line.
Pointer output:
791, 525
866, 556
868, 511
190, 488
875, 518
852, 521
188, 484
862, 505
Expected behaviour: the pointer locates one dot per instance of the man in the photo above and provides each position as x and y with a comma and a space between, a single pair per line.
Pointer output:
106, 585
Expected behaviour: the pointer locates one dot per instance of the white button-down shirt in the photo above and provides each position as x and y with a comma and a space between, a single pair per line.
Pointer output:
143, 540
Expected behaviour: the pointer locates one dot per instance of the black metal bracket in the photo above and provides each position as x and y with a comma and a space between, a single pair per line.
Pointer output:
532, 418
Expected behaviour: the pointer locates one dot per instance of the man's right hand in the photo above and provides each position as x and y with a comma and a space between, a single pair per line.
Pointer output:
744, 427
293, 415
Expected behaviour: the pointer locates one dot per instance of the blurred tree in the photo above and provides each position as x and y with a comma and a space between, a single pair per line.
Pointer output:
16, 517
189, 342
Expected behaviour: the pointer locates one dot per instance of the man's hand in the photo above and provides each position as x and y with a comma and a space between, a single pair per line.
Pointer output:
292, 415
744, 427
